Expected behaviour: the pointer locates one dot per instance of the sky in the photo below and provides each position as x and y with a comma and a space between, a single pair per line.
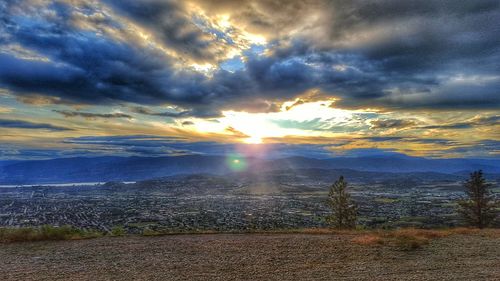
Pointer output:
313, 78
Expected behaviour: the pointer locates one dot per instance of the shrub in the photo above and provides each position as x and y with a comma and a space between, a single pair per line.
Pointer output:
65, 232
118, 231
45, 232
17, 234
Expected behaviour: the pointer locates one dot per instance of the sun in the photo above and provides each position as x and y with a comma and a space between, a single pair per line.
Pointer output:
253, 140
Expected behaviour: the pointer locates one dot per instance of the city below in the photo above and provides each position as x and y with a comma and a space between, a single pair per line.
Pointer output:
279, 199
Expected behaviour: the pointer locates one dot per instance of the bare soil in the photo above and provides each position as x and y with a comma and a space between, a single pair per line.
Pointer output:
250, 257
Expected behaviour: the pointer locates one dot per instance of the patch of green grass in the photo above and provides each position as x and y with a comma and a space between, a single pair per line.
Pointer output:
386, 200
142, 224
412, 219
150, 232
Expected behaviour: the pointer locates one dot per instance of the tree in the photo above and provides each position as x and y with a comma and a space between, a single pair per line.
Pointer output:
479, 208
344, 210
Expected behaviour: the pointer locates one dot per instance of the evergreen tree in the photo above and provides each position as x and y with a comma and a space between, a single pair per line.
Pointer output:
479, 208
344, 210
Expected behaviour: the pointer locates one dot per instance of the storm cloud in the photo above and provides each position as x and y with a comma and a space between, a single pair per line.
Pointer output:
91, 115
432, 54
20, 124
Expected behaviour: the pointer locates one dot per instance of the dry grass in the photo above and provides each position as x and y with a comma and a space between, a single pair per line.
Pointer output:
319, 231
492, 233
465, 230
420, 233
151, 232
404, 239
409, 242
368, 239
413, 238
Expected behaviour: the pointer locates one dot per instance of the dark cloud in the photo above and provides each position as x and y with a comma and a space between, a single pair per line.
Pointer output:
89, 68
146, 145
199, 112
130, 145
415, 124
389, 139
482, 148
90, 115
271, 18
437, 141
126, 140
392, 123
477, 121
20, 124
383, 139
147, 111
449, 126
253, 105
170, 21
398, 54
158, 146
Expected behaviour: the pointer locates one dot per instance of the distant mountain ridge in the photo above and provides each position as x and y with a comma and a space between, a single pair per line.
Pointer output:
111, 168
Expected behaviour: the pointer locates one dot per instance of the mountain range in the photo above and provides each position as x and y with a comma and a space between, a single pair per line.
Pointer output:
111, 168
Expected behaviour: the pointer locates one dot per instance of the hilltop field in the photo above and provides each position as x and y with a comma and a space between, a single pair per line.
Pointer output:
272, 256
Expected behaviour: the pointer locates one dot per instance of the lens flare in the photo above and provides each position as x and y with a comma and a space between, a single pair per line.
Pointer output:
236, 162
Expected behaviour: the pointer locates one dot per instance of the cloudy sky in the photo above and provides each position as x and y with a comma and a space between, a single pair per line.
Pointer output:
305, 77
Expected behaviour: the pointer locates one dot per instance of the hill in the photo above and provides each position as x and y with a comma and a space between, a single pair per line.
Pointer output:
101, 169
250, 257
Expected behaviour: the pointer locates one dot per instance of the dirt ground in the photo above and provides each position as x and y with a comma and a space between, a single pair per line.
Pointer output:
249, 257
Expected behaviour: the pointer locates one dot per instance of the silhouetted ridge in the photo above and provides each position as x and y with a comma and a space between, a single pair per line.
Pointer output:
110, 168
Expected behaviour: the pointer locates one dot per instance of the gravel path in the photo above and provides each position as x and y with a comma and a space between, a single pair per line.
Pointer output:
249, 257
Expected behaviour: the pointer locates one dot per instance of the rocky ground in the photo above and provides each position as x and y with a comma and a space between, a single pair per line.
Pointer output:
250, 257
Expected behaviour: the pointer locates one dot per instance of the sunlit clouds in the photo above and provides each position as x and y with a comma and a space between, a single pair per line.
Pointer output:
321, 78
